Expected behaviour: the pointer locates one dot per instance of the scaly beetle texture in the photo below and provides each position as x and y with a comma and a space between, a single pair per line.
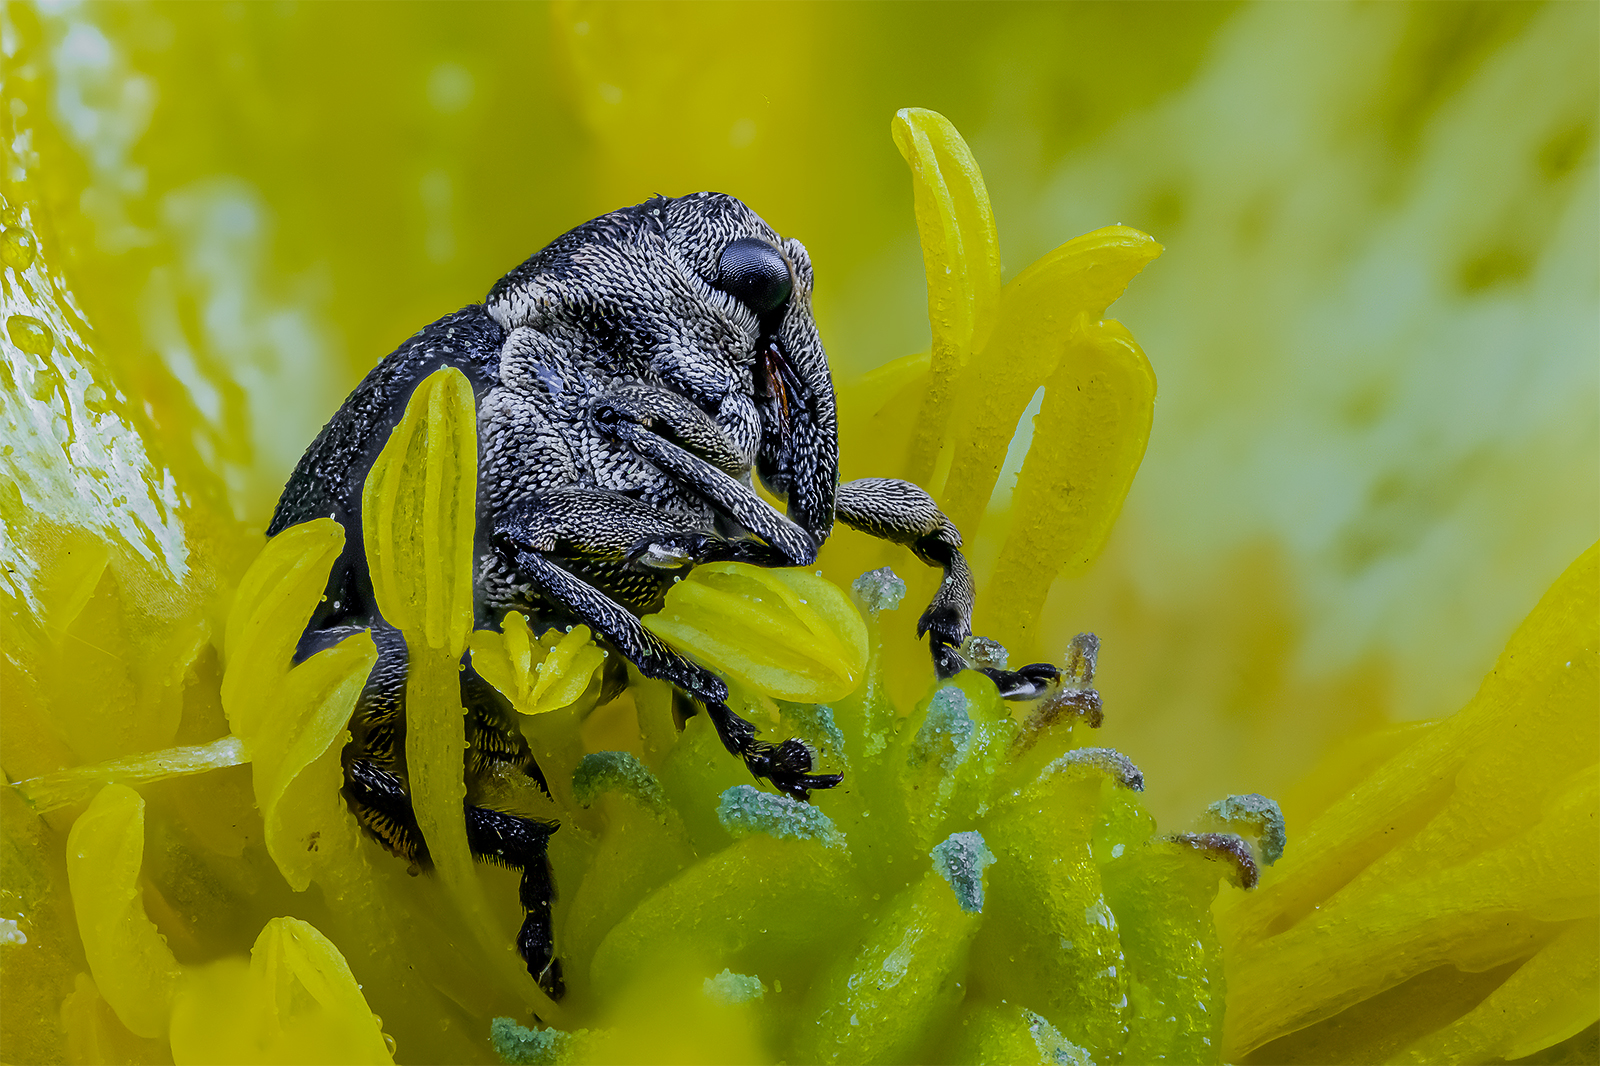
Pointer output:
630, 380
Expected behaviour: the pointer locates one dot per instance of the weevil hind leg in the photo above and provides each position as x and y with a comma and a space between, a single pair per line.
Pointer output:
522, 844
384, 809
375, 790
899, 511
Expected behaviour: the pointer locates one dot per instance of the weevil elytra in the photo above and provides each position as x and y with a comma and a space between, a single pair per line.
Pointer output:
631, 379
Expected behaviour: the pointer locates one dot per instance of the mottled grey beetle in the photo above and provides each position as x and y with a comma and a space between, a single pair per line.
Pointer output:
629, 378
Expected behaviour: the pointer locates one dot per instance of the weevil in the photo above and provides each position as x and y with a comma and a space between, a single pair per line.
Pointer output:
632, 379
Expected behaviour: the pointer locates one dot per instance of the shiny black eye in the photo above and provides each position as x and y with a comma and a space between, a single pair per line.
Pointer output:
756, 274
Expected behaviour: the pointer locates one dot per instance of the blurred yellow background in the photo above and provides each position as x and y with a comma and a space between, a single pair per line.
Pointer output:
1373, 326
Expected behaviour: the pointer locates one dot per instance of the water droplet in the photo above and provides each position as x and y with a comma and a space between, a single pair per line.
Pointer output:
17, 247
95, 399
31, 335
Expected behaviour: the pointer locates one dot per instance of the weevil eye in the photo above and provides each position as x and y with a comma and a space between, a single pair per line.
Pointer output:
756, 274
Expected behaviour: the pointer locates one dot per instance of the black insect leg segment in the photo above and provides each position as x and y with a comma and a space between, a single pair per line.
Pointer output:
786, 765
673, 416
521, 844
901, 512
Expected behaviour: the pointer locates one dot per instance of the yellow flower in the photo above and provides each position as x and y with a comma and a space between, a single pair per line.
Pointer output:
134, 454
1443, 907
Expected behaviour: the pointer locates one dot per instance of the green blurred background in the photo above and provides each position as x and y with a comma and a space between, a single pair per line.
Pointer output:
1374, 325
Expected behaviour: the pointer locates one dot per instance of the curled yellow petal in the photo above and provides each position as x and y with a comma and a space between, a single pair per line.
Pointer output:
961, 255
1088, 442
788, 633
296, 1001
418, 514
130, 961
960, 250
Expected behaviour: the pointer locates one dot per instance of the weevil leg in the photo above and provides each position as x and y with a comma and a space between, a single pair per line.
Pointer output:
378, 725
787, 765
522, 844
375, 787
673, 416
381, 804
676, 436
385, 809
901, 512
605, 531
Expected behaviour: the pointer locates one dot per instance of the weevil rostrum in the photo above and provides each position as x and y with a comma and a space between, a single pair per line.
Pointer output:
631, 379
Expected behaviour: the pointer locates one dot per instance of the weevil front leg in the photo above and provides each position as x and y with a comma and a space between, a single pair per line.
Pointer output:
787, 765
901, 512
622, 540
683, 441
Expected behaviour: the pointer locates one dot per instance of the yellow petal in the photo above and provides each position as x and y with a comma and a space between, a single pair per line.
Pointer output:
1550, 998
503, 660
787, 633
314, 706
1038, 327
418, 514
553, 678
960, 250
418, 521
1471, 848
296, 1001
566, 671
1088, 442
130, 960
961, 256
77, 785
94, 1032
270, 611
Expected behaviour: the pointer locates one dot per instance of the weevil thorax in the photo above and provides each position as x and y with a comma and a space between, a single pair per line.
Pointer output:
640, 294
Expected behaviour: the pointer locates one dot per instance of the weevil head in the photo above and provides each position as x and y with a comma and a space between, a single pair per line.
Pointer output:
698, 294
